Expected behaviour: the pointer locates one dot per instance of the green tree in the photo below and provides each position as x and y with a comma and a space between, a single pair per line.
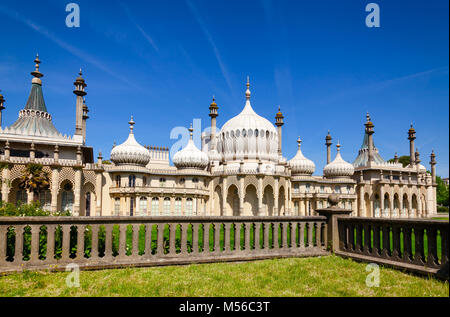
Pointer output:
404, 159
441, 192
35, 179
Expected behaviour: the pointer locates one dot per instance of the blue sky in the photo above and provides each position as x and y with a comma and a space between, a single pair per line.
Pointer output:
161, 61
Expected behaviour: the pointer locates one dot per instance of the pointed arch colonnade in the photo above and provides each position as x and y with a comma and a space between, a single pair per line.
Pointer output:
393, 202
251, 196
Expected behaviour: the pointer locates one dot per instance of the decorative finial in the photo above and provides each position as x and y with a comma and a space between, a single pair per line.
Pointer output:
36, 72
247, 92
191, 130
338, 146
114, 144
81, 72
131, 123
299, 142
367, 116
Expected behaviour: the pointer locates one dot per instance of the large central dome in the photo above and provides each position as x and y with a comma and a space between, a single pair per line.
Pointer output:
248, 136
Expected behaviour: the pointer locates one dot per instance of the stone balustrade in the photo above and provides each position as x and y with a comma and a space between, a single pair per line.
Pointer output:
415, 245
39, 243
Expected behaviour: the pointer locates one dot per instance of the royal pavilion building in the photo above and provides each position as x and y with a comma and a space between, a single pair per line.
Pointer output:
239, 170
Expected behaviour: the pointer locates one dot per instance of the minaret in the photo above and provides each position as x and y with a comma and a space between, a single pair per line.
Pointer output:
411, 138
433, 166
369, 131
328, 144
279, 123
100, 158
2, 107
80, 85
213, 114
84, 118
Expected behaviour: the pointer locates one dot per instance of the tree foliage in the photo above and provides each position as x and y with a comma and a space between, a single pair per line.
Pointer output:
35, 179
404, 159
441, 192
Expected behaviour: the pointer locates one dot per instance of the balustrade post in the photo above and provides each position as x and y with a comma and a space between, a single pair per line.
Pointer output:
135, 242
318, 234
172, 237
301, 235
80, 242
122, 241
432, 258
310, 234
276, 228
148, 241
284, 232
160, 240
183, 238
18, 248
266, 241
293, 235
217, 226
195, 231
50, 252
108, 242
94, 244
65, 254
34, 255
226, 238
376, 240
386, 241
257, 236
247, 237
367, 239
351, 237
358, 246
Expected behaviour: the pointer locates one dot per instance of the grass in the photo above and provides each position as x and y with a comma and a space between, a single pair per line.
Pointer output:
321, 276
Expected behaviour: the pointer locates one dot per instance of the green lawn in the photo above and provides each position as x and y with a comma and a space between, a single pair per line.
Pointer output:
322, 276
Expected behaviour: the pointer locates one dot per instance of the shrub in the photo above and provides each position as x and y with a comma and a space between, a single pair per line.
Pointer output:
442, 209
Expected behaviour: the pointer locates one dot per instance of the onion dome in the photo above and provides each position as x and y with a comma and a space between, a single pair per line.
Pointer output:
130, 152
338, 167
248, 135
190, 156
300, 164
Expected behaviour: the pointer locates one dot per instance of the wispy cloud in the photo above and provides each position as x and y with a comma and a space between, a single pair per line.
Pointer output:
212, 43
64, 45
140, 29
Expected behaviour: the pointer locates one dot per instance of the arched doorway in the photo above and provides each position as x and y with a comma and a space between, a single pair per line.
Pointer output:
217, 202
404, 213
232, 201
67, 197
268, 201
251, 201
281, 206
386, 205
395, 212
88, 204
376, 206
368, 212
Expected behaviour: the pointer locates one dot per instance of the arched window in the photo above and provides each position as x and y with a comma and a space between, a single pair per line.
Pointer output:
117, 207
189, 207
144, 181
166, 210
296, 208
118, 181
143, 206
337, 189
162, 182
67, 198
155, 206
178, 207
322, 189
182, 180
308, 188
296, 188
21, 197
131, 181
45, 199
349, 189
320, 204
195, 180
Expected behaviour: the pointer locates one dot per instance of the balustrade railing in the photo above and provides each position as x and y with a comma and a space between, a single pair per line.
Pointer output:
100, 242
414, 244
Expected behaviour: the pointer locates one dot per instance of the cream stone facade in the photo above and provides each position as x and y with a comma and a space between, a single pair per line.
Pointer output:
240, 170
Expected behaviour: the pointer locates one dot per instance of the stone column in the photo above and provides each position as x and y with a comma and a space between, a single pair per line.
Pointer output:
260, 197
361, 212
98, 193
224, 197
5, 184
54, 189
241, 195
77, 192
275, 198
411, 138
391, 204
382, 201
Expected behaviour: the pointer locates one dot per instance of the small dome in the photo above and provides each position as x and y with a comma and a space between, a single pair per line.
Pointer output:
190, 156
130, 152
339, 167
300, 164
